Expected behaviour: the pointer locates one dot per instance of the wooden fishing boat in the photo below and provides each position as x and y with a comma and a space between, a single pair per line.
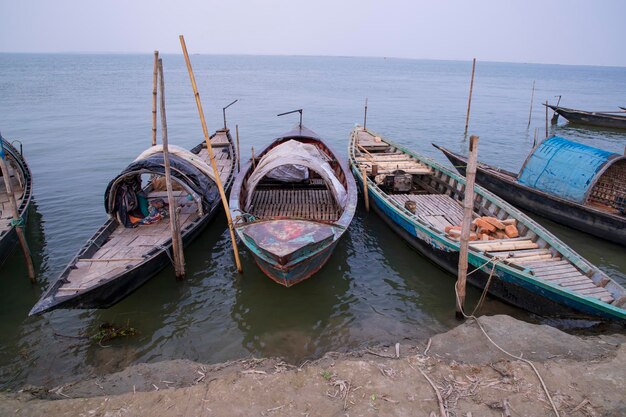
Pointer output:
117, 259
422, 200
600, 119
573, 184
21, 183
291, 205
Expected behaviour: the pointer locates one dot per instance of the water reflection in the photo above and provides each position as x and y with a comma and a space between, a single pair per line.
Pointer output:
298, 322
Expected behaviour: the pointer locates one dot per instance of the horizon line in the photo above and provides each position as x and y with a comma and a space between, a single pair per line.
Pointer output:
308, 56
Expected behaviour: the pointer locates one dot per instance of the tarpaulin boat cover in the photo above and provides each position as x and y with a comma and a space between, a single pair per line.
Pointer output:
196, 160
182, 170
565, 169
293, 152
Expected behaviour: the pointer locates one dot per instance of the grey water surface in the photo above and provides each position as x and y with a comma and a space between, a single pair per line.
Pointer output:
83, 118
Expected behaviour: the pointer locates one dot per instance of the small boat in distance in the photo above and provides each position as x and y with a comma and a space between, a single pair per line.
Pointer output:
573, 184
21, 184
616, 120
422, 202
135, 242
291, 204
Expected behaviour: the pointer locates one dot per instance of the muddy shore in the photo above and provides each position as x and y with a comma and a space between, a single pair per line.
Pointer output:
586, 376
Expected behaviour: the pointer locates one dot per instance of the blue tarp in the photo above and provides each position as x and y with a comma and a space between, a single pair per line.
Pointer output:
563, 168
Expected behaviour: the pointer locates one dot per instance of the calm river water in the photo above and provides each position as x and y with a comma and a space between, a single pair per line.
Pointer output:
83, 118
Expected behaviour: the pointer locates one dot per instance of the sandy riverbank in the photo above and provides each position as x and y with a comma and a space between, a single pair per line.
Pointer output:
586, 376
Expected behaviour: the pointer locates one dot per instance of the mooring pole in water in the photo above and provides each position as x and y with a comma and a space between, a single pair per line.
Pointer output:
532, 96
18, 222
238, 154
365, 191
535, 138
177, 241
252, 160
365, 116
154, 98
546, 119
468, 209
469, 101
207, 139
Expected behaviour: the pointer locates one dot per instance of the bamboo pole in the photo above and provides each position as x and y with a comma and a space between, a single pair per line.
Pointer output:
365, 116
177, 241
218, 180
469, 101
546, 119
154, 98
532, 96
365, 190
238, 154
17, 220
468, 208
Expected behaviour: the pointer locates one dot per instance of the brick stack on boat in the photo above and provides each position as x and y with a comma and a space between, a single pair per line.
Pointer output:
487, 228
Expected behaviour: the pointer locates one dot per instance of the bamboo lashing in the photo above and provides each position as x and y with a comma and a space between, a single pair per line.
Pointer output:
177, 241
469, 101
468, 209
17, 220
154, 98
207, 139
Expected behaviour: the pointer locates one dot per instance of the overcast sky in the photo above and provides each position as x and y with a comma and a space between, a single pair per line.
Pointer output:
537, 31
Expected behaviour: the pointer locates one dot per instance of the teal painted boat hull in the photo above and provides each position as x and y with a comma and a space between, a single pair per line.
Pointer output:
512, 285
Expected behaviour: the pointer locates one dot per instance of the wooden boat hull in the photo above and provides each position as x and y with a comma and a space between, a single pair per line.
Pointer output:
294, 273
113, 289
292, 248
590, 118
506, 287
116, 289
9, 240
577, 216
521, 285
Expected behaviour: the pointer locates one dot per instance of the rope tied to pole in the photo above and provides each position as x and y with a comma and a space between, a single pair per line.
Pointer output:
480, 326
19, 222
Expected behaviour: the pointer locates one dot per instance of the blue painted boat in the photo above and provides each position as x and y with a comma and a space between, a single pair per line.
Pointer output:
291, 205
419, 199
573, 184
21, 182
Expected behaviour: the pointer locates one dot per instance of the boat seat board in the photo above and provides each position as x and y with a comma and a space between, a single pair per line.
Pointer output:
369, 142
309, 204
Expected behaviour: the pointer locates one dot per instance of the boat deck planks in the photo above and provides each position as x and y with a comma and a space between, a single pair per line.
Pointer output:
551, 268
308, 204
127, 247
438, 210
5, 208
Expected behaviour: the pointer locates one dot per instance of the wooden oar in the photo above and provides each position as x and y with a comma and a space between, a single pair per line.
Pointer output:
18, 221
207, 139
177, 240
